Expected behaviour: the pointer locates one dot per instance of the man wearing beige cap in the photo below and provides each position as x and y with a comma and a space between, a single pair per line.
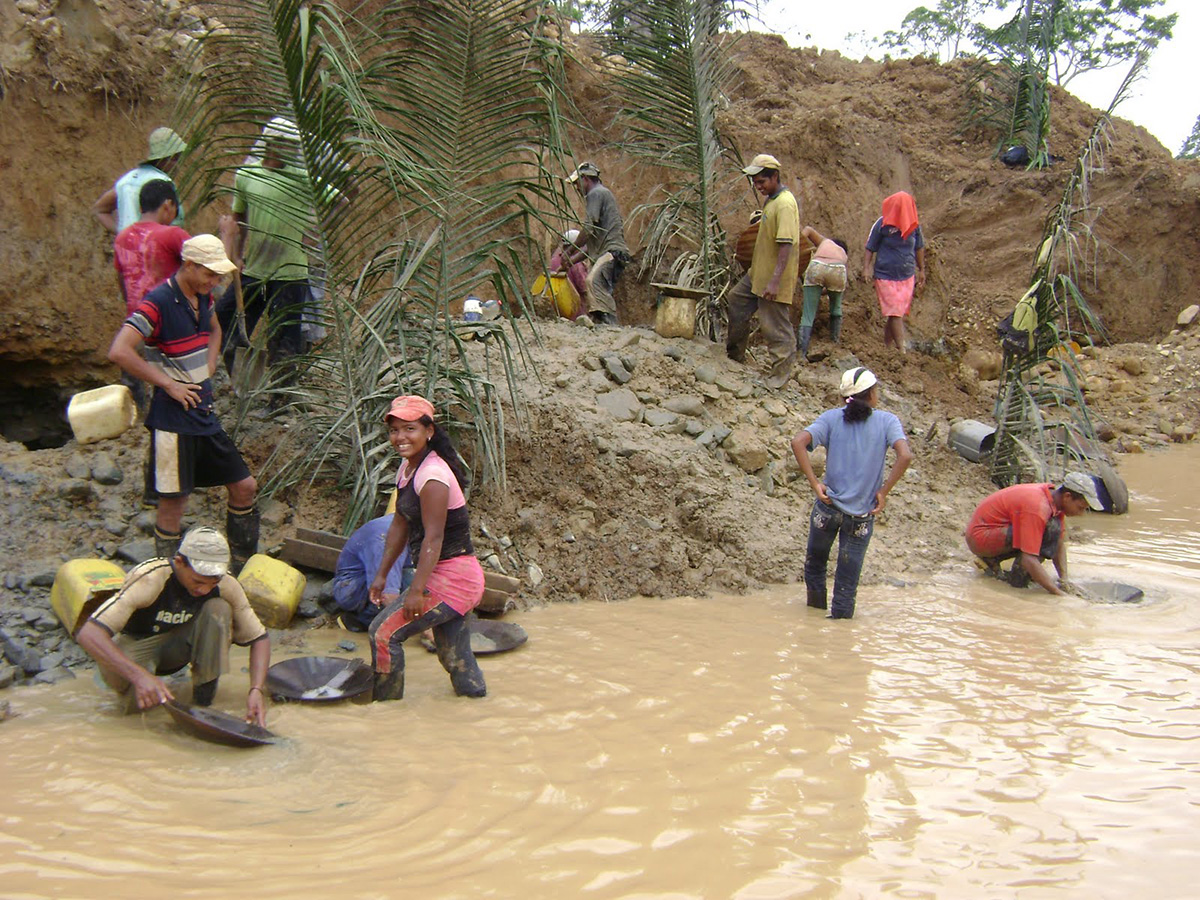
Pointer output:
175, 612
769, 286
188, 448
118, 207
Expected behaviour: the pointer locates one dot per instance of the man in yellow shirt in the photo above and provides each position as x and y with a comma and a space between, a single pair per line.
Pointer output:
770, 285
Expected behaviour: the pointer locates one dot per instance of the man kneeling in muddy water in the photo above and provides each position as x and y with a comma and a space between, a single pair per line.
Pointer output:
1025, 523
173, 612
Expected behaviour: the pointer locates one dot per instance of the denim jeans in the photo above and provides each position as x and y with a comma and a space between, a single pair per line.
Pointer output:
853, 534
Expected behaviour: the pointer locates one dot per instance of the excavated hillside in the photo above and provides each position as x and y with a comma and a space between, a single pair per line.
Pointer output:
636, 464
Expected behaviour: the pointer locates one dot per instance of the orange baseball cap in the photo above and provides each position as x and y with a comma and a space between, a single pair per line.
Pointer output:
409, 408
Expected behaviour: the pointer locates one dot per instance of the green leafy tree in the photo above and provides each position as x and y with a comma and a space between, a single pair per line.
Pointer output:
429, 132
680, 68
944, 32
1191, 146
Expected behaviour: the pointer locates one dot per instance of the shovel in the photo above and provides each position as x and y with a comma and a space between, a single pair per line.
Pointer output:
247, 362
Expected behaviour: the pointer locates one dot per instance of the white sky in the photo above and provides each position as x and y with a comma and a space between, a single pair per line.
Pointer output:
1165, 101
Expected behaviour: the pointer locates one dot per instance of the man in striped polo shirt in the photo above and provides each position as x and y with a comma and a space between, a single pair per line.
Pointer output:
188, 447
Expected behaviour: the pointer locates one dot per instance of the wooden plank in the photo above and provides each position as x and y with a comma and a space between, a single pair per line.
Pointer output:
494, 601
314, 556
498, 582
324, 538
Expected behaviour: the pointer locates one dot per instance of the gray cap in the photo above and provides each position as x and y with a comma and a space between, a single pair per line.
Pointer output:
584, 168
1085, 486
206, 550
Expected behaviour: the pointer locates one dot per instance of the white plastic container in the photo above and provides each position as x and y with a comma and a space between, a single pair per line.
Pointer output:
102, 413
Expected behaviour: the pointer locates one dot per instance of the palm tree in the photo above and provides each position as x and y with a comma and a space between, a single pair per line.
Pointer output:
429, 132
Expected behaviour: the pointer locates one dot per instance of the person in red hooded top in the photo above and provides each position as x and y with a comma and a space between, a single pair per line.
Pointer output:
895, 258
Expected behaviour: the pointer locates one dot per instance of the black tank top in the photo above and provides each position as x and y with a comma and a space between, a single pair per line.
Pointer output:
457, 538
174, 607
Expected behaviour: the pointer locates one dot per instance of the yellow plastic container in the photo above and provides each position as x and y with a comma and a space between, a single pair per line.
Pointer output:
273, 588
101, 413
83, 584
566, 300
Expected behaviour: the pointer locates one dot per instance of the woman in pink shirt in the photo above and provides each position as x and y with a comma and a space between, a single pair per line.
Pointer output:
431, 518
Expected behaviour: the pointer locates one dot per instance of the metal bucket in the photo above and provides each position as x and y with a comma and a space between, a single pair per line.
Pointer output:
972, 440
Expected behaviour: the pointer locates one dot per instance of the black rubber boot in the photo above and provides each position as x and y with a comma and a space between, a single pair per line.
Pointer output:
816, 599
389, 686
241, 528
149, 494
166, 544
803, 338
204, 694
835, 329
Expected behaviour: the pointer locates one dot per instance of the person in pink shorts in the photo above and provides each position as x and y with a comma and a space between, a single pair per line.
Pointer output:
895, 258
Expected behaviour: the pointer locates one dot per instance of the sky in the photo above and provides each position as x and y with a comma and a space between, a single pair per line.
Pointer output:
1164, 101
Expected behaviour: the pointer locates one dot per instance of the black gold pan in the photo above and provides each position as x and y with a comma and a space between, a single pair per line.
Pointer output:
219, 727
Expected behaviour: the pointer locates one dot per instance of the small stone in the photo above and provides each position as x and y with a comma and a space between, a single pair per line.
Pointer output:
76, 489
53, 676
42, 575
77, 467
308, 610
673, 352
622, 404
115, 526
628, 339
705, 373
775, 407
137, 551
714, 437
684, 405
693, 427
563, 380
592, 363
105, 471
1188, 316
535, 575
616, 369
1133, 447
1183, 433
711, 391
568, 538
8, 674
144, 522
597, 383
629, 362
746, 451
585, 322
658, 418
52, 660
45, 622
348, 645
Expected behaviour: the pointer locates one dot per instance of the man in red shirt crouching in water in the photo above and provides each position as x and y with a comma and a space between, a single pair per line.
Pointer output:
1025, 522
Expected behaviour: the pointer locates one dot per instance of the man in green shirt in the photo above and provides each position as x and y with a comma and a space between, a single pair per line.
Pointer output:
273, 206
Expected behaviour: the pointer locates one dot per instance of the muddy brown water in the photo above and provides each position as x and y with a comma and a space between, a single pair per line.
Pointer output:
956, 740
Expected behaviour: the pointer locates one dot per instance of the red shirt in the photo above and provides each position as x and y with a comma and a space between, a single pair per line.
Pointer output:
1025, 507
146, 254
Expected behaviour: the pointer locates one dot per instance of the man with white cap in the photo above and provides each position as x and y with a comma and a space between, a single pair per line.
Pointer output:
188, 447
856, 437
603, 234
118, 207
770, 285
175, 612
1025, 523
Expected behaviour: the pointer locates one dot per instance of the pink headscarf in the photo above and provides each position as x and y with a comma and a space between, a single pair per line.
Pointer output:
900, 211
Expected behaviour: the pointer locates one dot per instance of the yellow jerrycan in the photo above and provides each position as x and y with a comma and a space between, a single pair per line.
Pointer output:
80, 586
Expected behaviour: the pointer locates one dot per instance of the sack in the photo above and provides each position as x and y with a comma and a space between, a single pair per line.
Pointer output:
1016, 330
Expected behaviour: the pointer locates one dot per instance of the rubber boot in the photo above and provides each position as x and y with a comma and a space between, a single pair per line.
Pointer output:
835, 329
802, 340
241, 528
204, 694
816, 598
389, 686
166, 544
149, 494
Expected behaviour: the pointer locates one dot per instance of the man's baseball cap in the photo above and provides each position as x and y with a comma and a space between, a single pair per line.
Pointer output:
281, 129
589, 169
208, 251
1085, 486
409, 408
855, 381
206, 550
164, 143
760, 162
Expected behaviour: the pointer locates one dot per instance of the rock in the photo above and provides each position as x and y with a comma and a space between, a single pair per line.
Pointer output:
136, 551
684, 405
592, 363
986, 364
76, 489
13, 476
42, 574
350, 646
1182, 433
693, 427
673, 352
705, 373
144, 522
274, 513
1131, 364
729, 384
6, 712
616, 369
77, 467
775, 407
53, 676
115, 526
585, 322
8, 675
628, 339
1105, 431
746, 450
711, 391
1133, 447
657, 418
52, 661
19, 655
622, 404
45, 622
1188, 316
766, 479
105, 470
713, 437
597, 382
563, 380
535, 575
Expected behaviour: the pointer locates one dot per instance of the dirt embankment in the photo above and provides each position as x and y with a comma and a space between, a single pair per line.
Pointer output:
675, 477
